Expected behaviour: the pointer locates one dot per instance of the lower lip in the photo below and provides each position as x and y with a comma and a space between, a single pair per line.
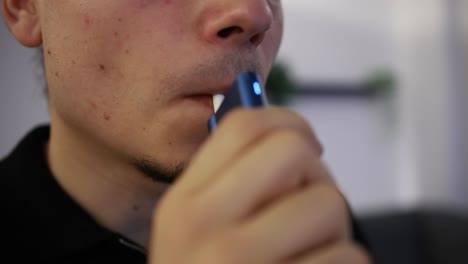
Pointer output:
206, 100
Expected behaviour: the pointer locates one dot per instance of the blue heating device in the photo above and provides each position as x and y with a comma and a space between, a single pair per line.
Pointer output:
246, 91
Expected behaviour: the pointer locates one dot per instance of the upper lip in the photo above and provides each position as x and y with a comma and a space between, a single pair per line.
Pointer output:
211, 90
214, 88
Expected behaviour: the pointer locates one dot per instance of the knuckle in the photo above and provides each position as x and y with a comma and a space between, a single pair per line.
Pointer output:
225, 248
260, 121
188, 216
302, 125
295, 144
337, 208
193, 220
358, 254
296, 117
161, 210
292, 137
333, 196
169, 206
240, 119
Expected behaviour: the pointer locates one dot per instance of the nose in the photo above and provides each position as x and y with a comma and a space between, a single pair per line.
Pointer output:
236, 22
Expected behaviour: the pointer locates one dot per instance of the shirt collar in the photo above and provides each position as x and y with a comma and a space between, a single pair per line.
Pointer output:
46, 220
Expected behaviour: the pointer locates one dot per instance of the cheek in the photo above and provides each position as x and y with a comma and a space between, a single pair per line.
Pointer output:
276, 34
85, 63
270, 46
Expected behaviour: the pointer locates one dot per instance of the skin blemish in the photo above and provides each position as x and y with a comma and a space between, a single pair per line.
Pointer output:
167, 2
127, 51
73, 62
57, 74
119, 19
87, 20
102, 67
143, 3
49, 52
93, 105
106, 117
136, 208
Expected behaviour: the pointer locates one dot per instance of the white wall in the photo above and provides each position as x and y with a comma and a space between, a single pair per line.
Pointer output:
359, 148
432, 160
463, 43
421, 161
346, 41
338, 40
22, 104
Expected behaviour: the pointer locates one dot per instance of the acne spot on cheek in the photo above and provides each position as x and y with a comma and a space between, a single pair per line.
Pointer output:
127, 51
73, 62
143, 3
168, 2
102, 67
57, 74
106, 116
49, 52
87, 20
120, 19
92, 105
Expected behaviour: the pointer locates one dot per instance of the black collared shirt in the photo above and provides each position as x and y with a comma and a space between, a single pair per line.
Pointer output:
40, 223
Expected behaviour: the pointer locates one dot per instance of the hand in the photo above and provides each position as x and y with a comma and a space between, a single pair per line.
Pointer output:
257, 192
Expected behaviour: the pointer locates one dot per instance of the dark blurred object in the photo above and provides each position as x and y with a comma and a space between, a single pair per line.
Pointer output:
417, 237
381, 82
280, 88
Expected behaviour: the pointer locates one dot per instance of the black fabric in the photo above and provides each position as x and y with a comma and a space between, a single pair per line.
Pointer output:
40, 223
418, 236
360, 237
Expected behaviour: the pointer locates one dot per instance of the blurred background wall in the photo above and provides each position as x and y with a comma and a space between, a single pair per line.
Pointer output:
22, 104
399, 151
343, 42
393, 152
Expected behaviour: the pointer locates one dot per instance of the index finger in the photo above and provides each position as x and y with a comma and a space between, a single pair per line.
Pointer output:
238, 131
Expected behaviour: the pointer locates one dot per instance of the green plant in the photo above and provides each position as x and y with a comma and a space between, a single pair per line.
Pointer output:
280, 88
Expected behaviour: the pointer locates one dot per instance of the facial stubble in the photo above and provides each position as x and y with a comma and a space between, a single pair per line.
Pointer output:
215, 69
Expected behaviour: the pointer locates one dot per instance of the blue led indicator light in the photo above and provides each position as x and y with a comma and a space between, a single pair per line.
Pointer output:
257, 88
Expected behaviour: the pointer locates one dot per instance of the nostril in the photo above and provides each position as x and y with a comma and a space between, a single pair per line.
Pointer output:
225, 33
257, 39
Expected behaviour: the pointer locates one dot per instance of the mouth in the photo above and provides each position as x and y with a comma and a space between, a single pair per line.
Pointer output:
217, 101
204, 99
212, 97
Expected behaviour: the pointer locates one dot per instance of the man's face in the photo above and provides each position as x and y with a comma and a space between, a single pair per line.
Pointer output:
135, 77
